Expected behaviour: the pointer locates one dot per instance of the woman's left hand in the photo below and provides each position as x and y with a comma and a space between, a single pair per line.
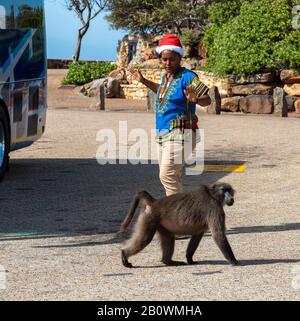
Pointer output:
190, 94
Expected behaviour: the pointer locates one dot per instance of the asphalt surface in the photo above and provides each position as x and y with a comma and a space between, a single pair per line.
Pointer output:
60, 211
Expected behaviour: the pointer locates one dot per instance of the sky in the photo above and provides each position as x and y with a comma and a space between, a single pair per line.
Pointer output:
99, 43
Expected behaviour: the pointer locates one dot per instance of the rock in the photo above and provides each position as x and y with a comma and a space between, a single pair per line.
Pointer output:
202, 51
258, 104
253, 89
255, 78
149, 53
292, 90
230, 104
290, 76
280, 103
90, 89
297, 106
215, 106
111, 85
112, 88
291, 101
119, 74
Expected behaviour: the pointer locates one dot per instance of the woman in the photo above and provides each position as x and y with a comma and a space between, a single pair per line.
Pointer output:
177, 95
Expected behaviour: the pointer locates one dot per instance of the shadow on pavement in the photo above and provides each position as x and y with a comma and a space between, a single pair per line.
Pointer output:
44, 198
265, 229
219, 262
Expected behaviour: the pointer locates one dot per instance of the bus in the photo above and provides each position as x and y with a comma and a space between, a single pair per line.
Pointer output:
23, 72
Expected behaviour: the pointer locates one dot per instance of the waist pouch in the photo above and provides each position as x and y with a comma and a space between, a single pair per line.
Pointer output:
184, 123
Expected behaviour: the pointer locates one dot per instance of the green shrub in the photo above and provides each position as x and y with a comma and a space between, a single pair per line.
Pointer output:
80, 73
252, 36
287, 51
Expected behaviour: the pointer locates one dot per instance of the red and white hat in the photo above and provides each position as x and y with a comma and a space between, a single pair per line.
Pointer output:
170, 42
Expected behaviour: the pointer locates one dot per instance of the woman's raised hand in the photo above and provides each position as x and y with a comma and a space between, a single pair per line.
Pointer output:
136, 75
190, 94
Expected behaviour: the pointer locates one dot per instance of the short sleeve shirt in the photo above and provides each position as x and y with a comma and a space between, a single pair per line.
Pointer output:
174, 103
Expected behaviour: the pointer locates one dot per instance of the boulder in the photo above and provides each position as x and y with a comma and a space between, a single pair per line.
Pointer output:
291, 102
253, 89
258, 104
290, 76
255, 78
111, 85
230, 104
119, 74
149, 53
292, 90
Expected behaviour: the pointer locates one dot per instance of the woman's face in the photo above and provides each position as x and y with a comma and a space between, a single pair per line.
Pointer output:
171, 61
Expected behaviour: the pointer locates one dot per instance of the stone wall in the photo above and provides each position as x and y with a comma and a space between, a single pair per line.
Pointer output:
264, 93
135, 90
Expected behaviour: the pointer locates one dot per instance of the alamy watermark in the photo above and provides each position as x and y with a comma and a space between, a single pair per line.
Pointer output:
296, 278
137, 146
296, 17
2, 278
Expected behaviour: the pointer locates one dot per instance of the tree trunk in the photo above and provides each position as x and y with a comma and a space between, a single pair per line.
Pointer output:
78, 47
81, 33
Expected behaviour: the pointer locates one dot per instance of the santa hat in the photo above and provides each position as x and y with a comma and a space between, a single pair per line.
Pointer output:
170, 42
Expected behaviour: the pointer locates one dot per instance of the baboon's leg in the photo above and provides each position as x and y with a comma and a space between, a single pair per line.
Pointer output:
223, 244
167, 241
192, 247
144, 231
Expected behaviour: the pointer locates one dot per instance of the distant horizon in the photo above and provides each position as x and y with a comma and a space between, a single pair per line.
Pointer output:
100, 42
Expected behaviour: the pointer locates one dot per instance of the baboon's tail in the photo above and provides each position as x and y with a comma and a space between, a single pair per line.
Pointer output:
140, 196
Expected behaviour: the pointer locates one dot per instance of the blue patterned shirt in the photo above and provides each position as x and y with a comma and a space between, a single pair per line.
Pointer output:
174, 103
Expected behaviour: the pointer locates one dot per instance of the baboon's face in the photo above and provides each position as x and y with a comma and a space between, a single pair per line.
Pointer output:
228, 193
224, 192
228, 197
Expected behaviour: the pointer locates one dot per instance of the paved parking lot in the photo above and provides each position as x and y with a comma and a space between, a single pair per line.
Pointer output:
60, 210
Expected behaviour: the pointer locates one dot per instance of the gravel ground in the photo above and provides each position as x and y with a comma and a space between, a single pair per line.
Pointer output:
61, 210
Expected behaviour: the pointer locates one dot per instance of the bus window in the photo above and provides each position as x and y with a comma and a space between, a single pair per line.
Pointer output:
2, 17
23, 71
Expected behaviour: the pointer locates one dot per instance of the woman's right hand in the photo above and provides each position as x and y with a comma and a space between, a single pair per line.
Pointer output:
136, 75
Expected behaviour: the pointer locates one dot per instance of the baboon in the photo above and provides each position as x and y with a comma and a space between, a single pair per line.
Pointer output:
192, 213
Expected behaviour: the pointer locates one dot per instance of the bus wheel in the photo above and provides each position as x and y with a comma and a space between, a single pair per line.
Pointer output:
4, 143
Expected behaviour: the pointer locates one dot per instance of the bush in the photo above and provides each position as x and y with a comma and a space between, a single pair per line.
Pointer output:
190, 39
254, 35
287, 51
80, 73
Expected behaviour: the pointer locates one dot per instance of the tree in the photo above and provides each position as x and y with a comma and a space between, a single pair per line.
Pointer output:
246, 36
86, 11
156, 16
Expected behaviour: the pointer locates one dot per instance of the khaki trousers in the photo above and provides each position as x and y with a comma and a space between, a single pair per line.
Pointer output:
171, 158
170, 168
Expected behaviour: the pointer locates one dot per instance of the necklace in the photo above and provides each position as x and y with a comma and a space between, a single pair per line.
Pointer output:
165, 87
